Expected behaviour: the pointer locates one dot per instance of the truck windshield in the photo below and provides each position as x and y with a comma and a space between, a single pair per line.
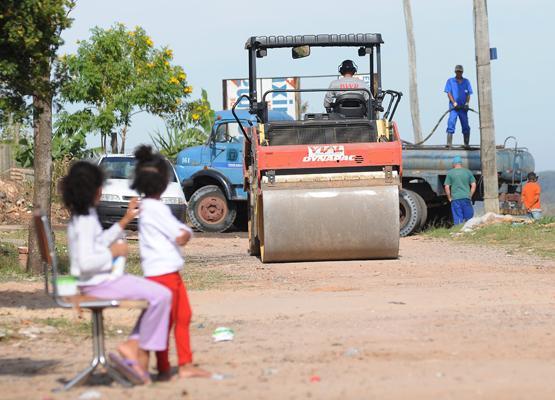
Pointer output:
229, 132
123, 168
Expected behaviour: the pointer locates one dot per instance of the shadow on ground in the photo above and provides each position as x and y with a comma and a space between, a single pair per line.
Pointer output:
26, 366
35, 300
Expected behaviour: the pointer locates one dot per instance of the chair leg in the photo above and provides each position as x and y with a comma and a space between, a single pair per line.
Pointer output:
99, 355
87, 372
79, 378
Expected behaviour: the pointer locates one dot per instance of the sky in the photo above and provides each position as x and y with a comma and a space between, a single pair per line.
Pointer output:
208, 42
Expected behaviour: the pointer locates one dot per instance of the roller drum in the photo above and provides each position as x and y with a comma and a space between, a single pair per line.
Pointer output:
338, 223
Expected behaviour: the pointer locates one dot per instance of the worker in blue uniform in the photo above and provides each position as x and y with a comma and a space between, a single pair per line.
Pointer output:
458, 91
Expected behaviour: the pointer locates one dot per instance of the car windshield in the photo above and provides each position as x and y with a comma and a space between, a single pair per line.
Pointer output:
123, 168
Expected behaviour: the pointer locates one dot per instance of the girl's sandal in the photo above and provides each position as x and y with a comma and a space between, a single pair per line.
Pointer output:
130, 369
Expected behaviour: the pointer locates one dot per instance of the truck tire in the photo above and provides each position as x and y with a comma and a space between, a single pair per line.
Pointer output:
423, 211
210, 211
410, 212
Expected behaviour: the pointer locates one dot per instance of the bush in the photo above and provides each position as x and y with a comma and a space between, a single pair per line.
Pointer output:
9, 263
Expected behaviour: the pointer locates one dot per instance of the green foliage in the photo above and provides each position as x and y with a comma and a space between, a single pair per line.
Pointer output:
66, 145
9, 263
197, 113
118, 73
537, 238
189, 127
174, 140
25, 154
30, 35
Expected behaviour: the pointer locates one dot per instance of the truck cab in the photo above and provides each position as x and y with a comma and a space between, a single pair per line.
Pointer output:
212, 174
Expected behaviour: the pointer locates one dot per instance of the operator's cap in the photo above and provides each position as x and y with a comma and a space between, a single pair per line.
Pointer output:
459, 68
457, 160
532, 176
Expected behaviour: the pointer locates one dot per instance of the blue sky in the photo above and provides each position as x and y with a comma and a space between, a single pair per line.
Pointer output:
208, 41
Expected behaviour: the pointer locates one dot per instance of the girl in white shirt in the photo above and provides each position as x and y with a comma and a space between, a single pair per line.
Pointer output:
160, 237
92, 251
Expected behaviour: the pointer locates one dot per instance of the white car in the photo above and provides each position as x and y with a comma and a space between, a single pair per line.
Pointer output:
116, 192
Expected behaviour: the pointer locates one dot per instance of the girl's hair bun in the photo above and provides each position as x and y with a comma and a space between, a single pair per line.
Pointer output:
144, 154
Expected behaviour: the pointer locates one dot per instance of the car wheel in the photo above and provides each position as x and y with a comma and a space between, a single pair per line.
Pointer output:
209, 211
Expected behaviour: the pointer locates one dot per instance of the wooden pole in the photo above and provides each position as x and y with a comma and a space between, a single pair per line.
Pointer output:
485, 106
413, 86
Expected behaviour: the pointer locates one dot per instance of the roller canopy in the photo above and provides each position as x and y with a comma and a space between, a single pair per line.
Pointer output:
324, 40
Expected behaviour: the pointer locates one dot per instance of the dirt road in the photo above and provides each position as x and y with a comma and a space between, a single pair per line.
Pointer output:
445, 321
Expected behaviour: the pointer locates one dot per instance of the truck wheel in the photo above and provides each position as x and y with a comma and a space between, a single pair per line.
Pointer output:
209, 211
409, 212
423, 211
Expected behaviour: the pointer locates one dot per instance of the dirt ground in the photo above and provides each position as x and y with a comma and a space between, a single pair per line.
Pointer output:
444, 321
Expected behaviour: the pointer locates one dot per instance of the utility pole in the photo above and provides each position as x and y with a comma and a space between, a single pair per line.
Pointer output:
413, 87
485, 106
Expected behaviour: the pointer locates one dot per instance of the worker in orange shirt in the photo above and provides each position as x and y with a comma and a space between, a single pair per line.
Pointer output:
531, 196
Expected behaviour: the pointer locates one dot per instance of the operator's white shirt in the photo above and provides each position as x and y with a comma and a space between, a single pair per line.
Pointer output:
349, 82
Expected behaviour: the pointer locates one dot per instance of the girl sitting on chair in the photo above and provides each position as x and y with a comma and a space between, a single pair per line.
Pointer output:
92, 251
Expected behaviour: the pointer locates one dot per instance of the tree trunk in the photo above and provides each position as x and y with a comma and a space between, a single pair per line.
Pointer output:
114, 142
413, 86
485, 106
123, 136
42, 196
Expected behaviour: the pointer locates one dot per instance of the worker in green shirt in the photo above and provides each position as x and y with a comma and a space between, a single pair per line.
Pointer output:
460, 186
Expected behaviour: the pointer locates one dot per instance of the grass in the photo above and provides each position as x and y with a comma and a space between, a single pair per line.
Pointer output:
16, 234
196, 276
10, 269
537, 238
67, 326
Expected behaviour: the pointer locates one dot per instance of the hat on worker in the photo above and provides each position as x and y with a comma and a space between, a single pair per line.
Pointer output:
532, 176
459, 68
457, 160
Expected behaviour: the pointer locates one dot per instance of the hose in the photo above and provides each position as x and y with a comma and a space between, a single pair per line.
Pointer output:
435, 127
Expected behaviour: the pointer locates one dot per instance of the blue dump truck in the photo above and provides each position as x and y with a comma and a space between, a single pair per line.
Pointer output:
212, 174
212, 177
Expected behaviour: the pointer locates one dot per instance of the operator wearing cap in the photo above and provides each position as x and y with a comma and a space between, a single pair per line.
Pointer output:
460, 186
458, 91
347, 81
531, 196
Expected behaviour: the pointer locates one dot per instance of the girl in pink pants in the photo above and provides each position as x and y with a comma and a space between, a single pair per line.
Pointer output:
92, 251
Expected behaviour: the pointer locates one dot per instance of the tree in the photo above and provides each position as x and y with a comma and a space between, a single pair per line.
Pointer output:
30, 35
189, 128
117, 74
413, 86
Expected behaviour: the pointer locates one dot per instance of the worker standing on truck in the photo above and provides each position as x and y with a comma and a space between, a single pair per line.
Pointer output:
460, 186
458, 91
531, 196
347, 81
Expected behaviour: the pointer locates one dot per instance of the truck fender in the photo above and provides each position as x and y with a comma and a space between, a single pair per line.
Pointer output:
220, 178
